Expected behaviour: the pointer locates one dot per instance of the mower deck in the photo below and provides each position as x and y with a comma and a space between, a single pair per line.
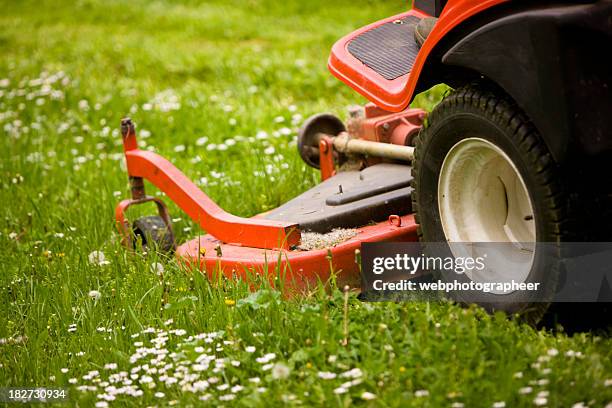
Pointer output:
350, 199
300, 269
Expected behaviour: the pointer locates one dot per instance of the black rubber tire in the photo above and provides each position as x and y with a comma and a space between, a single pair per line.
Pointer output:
152, 233
486, 112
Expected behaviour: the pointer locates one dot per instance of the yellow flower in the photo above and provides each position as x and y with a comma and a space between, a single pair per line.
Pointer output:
402, 369
309, 365
230, 302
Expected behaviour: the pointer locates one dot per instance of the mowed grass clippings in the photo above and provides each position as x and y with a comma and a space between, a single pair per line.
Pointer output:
220, 89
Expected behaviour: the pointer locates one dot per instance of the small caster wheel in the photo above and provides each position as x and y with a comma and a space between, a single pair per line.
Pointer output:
153, 233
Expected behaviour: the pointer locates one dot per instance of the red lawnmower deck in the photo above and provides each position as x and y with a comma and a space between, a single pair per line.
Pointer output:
300, 269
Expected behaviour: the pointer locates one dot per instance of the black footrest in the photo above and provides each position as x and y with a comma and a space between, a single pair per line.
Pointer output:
389, 49
364, 196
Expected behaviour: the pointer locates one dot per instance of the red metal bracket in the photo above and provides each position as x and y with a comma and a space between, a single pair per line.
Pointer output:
378, 125
326, 157
228, 228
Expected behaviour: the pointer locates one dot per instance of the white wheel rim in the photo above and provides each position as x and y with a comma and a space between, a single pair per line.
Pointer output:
483, 198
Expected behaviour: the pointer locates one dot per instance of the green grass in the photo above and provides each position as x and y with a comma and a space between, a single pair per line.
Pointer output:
249, 71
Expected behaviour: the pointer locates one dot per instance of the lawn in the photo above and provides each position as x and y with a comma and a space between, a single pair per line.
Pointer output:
219, 88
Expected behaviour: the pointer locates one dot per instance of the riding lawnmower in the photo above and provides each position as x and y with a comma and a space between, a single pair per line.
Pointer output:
518, 151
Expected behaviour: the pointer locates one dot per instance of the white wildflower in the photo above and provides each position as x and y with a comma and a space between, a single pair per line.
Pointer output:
94, 294
367, 396
266, 358
145, 379
280, 371
326, 375
354, 373
157, 268
540, 401
97, 258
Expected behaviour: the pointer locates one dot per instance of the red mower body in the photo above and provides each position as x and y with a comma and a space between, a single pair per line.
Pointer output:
239, 246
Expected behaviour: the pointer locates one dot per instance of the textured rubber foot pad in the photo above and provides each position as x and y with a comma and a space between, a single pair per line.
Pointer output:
389, 49
350, 199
